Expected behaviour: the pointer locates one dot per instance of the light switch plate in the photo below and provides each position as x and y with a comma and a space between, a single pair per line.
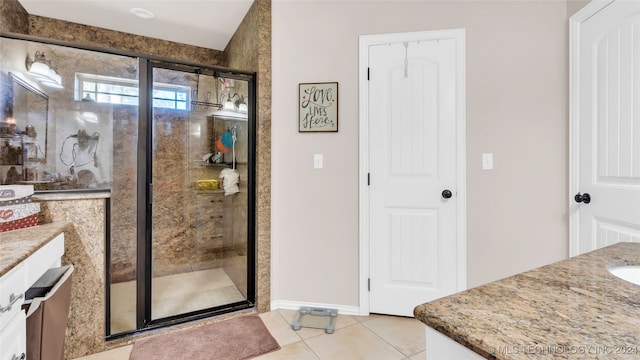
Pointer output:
318, 161
487, 161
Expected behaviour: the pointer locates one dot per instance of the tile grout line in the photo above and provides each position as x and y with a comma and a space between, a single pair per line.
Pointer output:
388, 343
313, 337
300, 337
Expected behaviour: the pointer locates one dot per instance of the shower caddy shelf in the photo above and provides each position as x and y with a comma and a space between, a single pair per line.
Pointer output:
201, 163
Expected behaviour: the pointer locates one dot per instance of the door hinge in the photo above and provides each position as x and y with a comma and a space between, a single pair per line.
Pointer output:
369, 284
368, 73
368, 179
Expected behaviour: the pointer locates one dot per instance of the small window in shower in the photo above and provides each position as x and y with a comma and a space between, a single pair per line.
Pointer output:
120, 91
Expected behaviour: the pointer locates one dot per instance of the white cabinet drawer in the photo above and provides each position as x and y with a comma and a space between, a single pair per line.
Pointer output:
12, 287
14, 339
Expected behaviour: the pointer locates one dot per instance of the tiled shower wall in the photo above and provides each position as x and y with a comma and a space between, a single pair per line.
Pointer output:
88, 35
192, 230
13, 17
250, 49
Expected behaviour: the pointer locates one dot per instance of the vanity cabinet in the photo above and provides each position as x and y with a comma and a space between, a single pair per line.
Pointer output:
13, 285
14, 338
12, 318
442, 347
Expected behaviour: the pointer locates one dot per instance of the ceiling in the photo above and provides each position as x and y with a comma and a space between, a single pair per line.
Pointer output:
205, 23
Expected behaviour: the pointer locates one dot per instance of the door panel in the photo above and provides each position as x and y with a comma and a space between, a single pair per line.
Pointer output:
413, 260
199, 232
608, 149
611, 231
614, 88
412, 159
413, 144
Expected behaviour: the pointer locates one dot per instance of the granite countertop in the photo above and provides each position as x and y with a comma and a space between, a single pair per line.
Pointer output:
572, 309
17, 245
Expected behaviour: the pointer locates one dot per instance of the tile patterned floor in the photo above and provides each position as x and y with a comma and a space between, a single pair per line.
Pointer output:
356, 337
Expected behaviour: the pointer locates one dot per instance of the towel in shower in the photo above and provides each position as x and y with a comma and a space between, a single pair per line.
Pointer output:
230, 179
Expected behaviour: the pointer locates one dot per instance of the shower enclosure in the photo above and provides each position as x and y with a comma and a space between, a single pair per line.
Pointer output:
197, 258
173, 144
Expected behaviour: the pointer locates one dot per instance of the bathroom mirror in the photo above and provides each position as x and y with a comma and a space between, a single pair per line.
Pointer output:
30, 114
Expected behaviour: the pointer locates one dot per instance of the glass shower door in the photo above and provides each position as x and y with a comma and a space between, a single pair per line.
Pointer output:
199, 239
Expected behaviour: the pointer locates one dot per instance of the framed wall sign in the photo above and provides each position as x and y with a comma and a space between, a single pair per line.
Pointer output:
318, 107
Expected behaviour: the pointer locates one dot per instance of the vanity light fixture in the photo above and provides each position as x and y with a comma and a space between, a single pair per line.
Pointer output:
40, 67
233, 109
228, 105
241, 104
55, 82
142, 13
238, 105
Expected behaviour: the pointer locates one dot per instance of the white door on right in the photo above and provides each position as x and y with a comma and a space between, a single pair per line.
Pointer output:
606, 126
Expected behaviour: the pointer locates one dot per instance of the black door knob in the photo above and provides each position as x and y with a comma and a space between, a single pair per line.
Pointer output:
583, 198
446, 193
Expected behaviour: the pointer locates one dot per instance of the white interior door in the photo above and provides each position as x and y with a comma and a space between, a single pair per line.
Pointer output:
415, 192
605, 125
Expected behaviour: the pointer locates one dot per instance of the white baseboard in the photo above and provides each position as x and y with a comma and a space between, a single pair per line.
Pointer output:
295, 305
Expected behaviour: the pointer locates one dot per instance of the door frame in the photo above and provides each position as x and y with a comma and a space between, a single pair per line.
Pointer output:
575, 24
365, 41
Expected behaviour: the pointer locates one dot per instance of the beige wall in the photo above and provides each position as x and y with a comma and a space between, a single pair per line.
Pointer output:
517, 96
